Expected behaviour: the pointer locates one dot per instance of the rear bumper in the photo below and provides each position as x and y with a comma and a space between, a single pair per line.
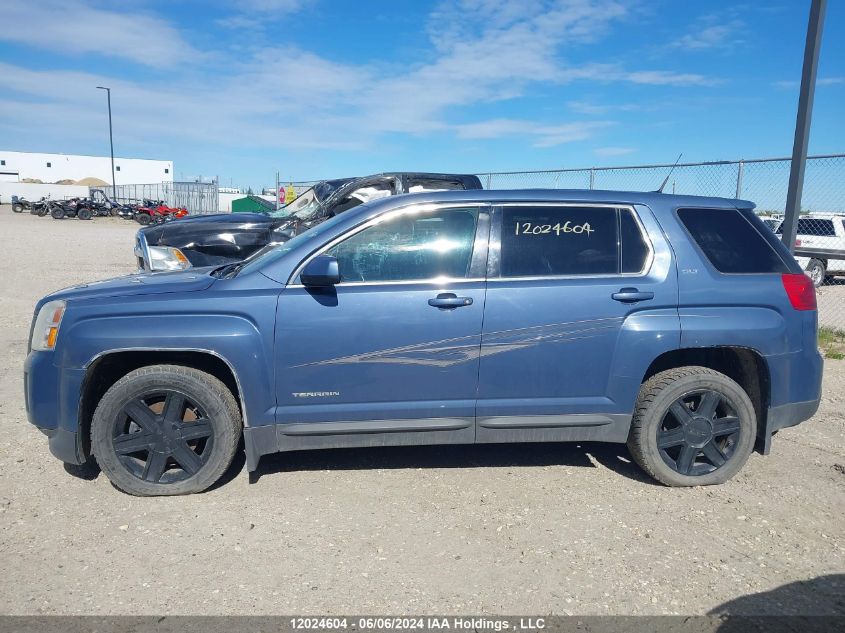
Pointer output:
791, 414
784, 416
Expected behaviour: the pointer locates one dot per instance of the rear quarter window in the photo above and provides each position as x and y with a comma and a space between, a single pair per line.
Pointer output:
816, 227
730, 242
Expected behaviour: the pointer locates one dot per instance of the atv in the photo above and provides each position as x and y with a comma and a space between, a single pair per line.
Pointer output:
156, 211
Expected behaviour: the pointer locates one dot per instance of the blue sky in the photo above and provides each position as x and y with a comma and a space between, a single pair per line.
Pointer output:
318, 89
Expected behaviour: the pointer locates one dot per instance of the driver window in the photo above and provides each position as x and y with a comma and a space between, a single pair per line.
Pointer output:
412, 246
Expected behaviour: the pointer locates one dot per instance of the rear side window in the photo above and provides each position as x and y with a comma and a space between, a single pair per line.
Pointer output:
570, 240
634, 250
816, 227
730, 242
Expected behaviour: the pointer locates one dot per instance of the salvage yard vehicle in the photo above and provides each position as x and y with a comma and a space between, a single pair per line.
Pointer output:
21, 204
678, 324
225, 238
820, 245
156, 211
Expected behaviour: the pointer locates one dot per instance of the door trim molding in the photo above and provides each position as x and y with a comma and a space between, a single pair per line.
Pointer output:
375, 426
543, 421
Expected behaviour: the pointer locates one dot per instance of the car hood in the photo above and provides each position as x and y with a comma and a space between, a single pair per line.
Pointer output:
138, 284
191, 228
220, 217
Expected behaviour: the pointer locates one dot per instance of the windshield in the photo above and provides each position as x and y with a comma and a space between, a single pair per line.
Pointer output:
272, 252
304, 204
308, 202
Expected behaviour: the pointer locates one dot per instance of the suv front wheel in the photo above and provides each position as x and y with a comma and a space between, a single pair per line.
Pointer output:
165, 430
692, 427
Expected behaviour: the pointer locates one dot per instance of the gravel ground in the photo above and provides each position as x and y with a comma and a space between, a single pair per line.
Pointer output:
492, 529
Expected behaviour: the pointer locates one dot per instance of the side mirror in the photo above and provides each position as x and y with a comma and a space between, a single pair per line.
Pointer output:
322, 271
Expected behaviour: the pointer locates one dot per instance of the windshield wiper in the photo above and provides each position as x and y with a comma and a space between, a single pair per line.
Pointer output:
228, 271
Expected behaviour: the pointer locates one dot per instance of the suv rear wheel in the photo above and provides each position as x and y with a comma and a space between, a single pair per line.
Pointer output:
692, 427
165, 430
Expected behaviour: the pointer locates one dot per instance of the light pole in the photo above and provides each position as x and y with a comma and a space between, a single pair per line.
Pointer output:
815, 26
111, 143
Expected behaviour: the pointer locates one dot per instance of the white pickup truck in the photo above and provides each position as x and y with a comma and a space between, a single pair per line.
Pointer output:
820, 245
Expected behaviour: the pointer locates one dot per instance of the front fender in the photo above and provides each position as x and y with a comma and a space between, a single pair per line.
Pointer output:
237, 329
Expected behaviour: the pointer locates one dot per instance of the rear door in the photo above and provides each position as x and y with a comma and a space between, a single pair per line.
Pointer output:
579, 301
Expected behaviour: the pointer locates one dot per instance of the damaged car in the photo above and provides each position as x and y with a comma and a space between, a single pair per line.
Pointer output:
214, 240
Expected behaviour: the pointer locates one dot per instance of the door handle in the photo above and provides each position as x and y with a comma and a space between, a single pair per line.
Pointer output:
632, 295
449, 300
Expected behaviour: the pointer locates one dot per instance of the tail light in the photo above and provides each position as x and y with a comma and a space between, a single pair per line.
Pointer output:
797, 243
799, 288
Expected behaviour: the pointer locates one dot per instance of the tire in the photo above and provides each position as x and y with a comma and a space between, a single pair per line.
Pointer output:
159, 465
143, 218
731, 429
58, 213
43, 211
84, 214
817, 272
17, 208
114, 212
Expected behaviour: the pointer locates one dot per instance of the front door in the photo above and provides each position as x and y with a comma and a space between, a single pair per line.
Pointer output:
569, 280
390, 355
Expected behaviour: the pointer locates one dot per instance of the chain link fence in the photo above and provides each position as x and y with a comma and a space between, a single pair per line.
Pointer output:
820, 243
196, 197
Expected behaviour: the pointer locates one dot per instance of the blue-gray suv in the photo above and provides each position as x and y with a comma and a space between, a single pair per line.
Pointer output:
679, 325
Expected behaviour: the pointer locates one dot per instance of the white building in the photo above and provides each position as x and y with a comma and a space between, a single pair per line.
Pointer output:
51, 168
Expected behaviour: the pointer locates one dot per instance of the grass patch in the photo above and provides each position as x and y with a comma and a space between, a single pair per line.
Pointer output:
832, 343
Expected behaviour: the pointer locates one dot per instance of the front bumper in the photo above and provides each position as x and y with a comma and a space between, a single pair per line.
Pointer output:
52, 396
65, 445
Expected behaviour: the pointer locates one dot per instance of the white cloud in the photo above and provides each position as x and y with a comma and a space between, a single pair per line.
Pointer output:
667, 78
538, 134
614, 151
713, 32
820, 81
588, 107
489, 52
256, 14
721, 36
72, 28
279, 7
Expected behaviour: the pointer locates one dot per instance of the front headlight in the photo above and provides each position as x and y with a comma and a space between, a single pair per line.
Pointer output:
46, 328
167, 258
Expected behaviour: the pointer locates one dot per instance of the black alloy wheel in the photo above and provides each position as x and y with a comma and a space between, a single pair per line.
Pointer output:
699, 433
162, 437
692, 426
165, 430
